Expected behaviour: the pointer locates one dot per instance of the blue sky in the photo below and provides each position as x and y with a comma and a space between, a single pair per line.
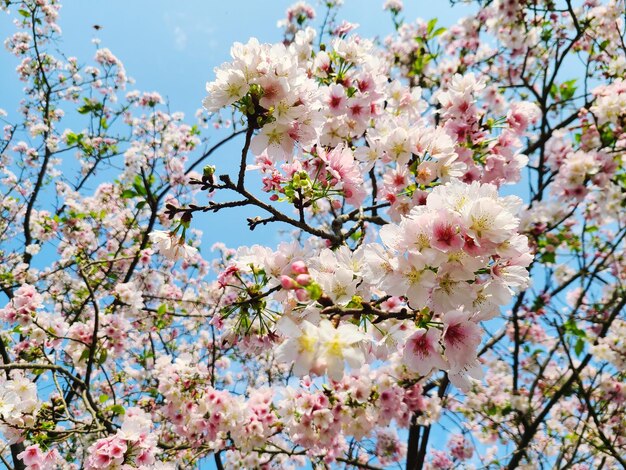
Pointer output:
172, 47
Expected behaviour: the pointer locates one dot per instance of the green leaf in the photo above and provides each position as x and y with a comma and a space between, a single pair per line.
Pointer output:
568, 89
554, 91
117, 409
71, 138
24, 13
103, 398
356, 235
103, 356
431, 26
572, 328
84, 355
139, 187
128, 194
579, 346
89, 106
604, 44
438, 32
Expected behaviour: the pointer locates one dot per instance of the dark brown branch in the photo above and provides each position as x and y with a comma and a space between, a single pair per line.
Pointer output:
244, 155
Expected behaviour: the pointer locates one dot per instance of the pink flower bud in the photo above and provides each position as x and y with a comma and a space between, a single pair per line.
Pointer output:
302, 295
298, 267
287, 283
303, 279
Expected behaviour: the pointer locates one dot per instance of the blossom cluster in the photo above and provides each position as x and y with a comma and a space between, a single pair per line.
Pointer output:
453, 262
133, 446
18, 406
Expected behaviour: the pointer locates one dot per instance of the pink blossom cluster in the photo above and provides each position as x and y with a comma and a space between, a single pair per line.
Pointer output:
133, 446
278, 90
202, 415
321, 420
462, 229
460, 448
23, 306
456, 260
296, 19
36, 459
19, 404
327, 175
389, 448
348, 101
501, 161
459, 251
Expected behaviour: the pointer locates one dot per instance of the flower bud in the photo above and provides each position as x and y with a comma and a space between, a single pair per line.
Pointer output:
287, 283
298, 267
302, 295
303, 279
